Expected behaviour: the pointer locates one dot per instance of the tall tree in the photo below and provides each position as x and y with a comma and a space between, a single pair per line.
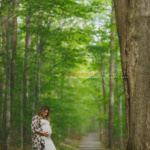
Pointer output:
119, 102
111, 84
8, 73
133, 31
13, 55
3, 77
103, 71
25, 78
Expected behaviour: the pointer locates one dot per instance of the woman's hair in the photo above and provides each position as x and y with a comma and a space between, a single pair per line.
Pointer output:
43, 110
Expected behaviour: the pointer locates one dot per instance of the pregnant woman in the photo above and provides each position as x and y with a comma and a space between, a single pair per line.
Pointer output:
41, 130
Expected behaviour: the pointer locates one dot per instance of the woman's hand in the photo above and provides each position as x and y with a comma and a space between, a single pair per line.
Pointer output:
45, 134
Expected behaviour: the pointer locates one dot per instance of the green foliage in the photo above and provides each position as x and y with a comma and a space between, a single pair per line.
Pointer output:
74, 38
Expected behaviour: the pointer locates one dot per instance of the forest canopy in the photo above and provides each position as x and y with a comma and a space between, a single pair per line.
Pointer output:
59, 53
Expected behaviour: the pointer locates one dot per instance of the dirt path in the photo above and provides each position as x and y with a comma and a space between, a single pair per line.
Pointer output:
90, 141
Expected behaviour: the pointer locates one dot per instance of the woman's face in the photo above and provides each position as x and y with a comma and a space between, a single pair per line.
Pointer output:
45, 113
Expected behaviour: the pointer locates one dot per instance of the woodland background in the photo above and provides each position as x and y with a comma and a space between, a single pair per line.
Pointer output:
64, 54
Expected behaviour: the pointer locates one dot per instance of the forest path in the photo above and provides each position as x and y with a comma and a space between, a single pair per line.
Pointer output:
90, 141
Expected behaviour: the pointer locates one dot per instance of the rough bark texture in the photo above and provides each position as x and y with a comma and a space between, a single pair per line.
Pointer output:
133, 24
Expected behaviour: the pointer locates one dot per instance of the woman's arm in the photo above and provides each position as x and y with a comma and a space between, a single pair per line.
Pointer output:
35, 126
41, 133
44, 133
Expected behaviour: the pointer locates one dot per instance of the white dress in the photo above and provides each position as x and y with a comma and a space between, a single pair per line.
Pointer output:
49, 145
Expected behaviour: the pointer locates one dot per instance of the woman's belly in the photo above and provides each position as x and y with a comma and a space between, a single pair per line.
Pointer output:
47, 128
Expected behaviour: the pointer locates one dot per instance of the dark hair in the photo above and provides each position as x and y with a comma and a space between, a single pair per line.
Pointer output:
42, 110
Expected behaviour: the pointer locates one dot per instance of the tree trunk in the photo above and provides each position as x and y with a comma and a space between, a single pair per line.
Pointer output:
102, 70
111, 99
13, 56
133, 30
34, 87
21, 112
37, 60
100, 123
120, 123
25, 76
34, 91
105, 109
119, 102
4, 73
41, 42
8, 71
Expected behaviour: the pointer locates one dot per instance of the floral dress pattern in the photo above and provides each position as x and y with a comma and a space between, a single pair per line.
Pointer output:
38, 141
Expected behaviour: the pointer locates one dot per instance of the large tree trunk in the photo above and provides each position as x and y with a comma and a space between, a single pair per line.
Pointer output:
111, 99
133, 29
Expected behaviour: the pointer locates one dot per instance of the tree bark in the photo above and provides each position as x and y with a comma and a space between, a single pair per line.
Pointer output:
41, 42
25, 79
3, 84
119, 102
34, 89
120, 123
105, 109
133, 30
37, 59
102, 70
21, 113
100, 122
13, 55
8, 71
111, 84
